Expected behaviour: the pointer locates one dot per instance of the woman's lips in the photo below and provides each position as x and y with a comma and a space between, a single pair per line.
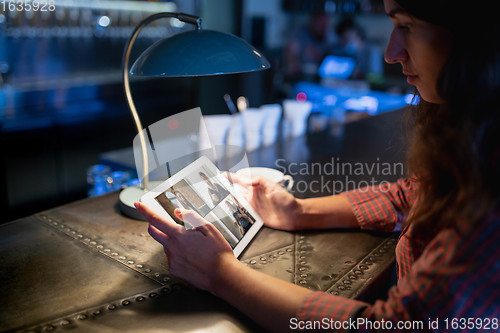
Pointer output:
410, 78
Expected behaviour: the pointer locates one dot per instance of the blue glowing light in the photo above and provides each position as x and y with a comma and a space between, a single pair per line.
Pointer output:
337, 67
412, 99
104, 21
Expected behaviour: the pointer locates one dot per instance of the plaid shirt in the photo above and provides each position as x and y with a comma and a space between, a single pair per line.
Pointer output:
444, 280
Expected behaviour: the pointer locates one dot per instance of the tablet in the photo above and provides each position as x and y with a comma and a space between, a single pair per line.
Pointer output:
202, 188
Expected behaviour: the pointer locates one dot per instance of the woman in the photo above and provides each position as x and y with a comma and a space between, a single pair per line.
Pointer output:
241, 219
448, 253
216, 191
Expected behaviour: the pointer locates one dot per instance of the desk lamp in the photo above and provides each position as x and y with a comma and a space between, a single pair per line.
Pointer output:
193, 53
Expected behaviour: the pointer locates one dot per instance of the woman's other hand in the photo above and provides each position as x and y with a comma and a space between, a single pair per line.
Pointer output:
277, 207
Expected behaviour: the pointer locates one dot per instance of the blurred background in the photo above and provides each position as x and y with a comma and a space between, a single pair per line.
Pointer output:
61, 96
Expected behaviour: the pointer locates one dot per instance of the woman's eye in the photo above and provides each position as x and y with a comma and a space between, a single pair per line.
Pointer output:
404, 26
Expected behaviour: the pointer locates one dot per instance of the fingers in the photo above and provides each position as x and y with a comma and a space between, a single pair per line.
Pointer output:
190, 217
245, 185
157, 235
201, 225
167, 227
240, 179
266, 183
210, 231
244, 193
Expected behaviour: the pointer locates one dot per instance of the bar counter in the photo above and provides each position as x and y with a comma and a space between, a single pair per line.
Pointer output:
86, 267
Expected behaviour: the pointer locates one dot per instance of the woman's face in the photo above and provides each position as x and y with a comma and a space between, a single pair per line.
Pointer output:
420, 47
207, 180
215, 197
231, 207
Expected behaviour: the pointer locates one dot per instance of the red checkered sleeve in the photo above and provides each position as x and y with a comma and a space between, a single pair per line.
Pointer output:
382, 207
455, 278
337, 310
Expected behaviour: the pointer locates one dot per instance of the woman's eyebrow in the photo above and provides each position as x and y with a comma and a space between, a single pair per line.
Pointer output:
395, 11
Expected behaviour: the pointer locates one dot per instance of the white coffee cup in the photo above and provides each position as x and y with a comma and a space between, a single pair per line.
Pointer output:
274, 175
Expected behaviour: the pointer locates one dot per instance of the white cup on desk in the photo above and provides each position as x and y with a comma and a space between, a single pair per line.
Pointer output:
276, 176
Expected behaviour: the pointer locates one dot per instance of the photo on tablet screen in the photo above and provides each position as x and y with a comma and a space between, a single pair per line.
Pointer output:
202, 192
169, 202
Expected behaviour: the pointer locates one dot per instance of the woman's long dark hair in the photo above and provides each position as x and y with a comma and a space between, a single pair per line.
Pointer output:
455, 147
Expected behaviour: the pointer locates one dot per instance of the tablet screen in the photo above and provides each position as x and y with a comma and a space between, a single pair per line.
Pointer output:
201, 188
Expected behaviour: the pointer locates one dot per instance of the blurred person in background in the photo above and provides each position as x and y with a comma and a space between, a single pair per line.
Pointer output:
352, 42
307, 47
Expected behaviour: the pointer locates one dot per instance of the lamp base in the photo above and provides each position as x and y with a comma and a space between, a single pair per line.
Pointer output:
130, 195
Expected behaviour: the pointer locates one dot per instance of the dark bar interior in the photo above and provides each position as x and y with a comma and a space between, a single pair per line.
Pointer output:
62, 95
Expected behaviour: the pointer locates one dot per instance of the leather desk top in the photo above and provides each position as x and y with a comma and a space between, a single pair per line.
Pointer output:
85, 266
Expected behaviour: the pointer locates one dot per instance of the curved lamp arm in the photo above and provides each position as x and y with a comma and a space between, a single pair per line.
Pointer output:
126, 84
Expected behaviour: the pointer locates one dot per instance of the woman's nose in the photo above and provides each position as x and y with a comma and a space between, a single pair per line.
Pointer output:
395, 51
